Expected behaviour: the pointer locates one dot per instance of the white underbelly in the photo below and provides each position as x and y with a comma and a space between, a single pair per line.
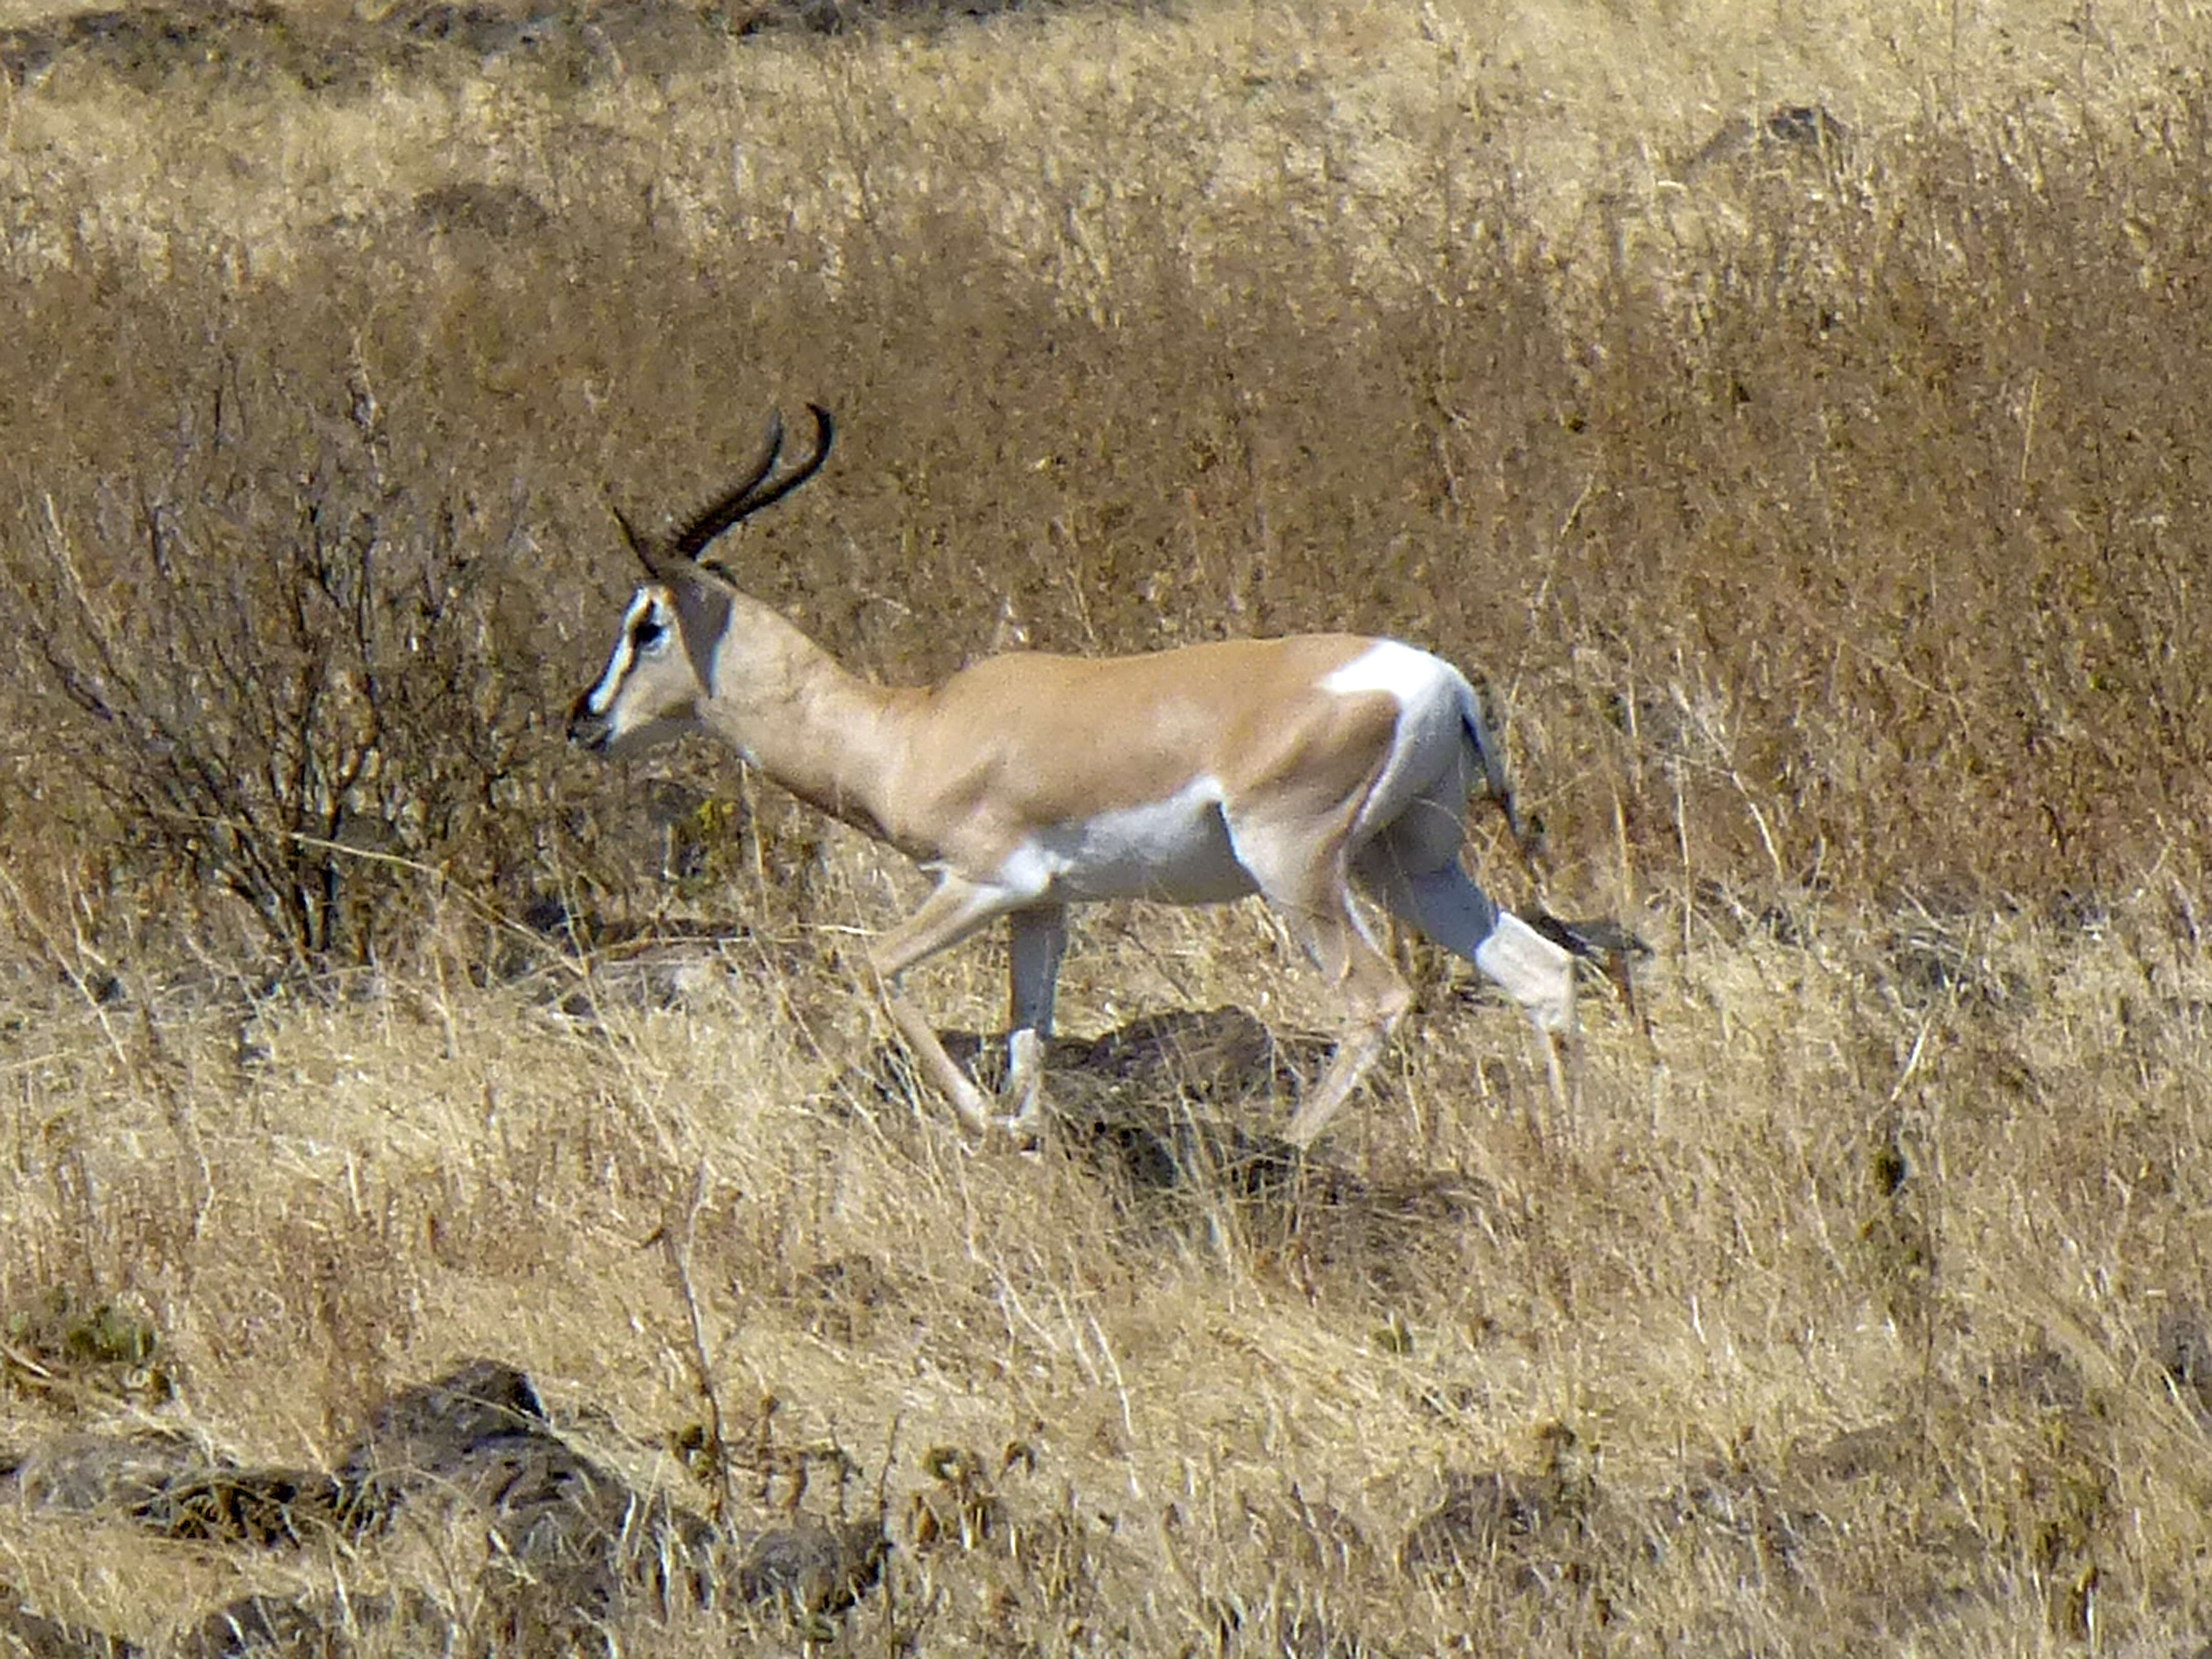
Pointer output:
1176, 850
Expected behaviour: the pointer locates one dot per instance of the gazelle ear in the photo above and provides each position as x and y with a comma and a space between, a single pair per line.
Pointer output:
660, 561
639, 544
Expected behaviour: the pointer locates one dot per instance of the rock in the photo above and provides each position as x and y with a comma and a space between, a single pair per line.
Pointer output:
91, 1473
813, 1567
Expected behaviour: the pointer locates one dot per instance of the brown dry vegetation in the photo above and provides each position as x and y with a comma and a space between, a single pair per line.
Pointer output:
1828, 515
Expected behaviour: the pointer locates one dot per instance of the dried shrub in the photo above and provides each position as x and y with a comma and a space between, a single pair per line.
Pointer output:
269, 655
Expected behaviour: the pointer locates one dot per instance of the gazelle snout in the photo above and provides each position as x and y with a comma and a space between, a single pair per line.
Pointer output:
587, 727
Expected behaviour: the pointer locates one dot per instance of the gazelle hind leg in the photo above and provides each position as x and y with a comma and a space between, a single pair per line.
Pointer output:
1357, 1050
1039, 941
1314, 899
1375, 997
944, 1072
1563, 1059
1447, 905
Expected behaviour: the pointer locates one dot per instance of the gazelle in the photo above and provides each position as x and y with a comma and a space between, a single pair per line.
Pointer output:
1289, 768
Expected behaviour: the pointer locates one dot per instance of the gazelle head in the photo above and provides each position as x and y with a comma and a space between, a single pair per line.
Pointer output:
664, 656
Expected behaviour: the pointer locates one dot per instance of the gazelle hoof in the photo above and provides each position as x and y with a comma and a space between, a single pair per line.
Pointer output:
1025, 1129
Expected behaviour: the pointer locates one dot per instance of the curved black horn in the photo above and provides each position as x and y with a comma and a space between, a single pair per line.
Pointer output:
667, 557
749, 497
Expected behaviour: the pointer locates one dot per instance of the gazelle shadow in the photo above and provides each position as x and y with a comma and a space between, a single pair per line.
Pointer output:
1175, 1113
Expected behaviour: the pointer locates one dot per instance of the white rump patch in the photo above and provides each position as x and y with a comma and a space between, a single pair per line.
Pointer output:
1406, 672
1430, 766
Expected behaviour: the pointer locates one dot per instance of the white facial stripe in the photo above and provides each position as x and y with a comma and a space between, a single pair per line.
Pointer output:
601, 697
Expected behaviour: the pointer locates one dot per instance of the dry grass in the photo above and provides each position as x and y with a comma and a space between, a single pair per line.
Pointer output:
1868, 1326
1827, 517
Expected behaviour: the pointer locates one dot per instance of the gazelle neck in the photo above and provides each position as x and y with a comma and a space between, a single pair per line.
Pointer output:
798, 715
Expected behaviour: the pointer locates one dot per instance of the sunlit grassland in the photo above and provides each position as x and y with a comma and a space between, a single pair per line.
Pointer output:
1825, 519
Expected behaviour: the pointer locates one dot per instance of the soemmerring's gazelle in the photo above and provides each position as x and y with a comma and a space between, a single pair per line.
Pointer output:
1294, 767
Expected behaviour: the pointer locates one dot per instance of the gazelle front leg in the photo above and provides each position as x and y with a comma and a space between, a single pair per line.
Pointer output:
922, 1039
956, 910
1039, 941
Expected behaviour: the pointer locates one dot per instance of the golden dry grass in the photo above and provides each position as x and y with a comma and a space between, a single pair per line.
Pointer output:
1817, 1413
1827, 520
